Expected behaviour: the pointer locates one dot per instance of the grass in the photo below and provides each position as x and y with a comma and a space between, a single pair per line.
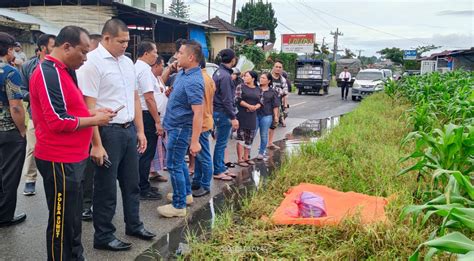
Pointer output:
359, 155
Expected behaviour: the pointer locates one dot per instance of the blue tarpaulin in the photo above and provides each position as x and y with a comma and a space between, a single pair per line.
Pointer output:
199, 35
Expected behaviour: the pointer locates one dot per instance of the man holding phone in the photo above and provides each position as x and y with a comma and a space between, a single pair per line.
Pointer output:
108, 79
63, 137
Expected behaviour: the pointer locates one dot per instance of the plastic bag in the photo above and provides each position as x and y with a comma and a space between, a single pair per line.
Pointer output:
311, 205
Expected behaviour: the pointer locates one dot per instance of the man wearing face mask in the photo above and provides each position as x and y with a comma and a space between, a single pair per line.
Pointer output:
108, 79
12, 133
45, 46
63, 132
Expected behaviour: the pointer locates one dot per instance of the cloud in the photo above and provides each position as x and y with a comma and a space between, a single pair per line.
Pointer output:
456, 13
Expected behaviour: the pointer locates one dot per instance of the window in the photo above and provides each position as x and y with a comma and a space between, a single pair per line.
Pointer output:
153, 7
230, 42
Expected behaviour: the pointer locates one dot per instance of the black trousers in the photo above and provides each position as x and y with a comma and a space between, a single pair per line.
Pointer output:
345, 86
121, 146
146, 158
12, 156
63, 189
88, 185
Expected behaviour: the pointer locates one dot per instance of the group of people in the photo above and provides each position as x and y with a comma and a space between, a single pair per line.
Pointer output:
96, 117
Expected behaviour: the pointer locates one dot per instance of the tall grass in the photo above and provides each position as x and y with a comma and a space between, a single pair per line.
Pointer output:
359, 155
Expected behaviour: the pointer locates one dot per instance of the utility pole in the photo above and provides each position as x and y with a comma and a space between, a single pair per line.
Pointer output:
209, 10
360, 51
336, 36
232, 20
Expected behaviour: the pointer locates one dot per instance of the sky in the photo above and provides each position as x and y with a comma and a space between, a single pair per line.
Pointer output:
368, 26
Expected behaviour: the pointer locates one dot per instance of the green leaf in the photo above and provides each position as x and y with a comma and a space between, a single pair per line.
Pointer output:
467, 257
454, 243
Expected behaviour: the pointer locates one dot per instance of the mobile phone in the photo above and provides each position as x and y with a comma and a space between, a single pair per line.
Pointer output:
119, 108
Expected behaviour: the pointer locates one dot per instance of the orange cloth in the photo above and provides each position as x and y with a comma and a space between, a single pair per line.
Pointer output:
339, 205
209, 90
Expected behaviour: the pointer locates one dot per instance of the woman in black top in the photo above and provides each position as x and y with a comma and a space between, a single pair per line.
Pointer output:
248, 99
268, 113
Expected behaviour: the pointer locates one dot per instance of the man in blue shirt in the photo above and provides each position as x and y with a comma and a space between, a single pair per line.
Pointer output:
183, 123
12, 133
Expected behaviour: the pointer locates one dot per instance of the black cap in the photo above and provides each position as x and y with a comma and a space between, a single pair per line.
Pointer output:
227, 55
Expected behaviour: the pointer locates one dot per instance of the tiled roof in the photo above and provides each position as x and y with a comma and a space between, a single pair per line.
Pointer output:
223, 25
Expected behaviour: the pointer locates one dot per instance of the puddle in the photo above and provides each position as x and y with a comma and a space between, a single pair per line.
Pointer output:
249, 179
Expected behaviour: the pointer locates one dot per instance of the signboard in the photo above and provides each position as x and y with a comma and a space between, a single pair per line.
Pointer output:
297, 43
409, 55
261, 35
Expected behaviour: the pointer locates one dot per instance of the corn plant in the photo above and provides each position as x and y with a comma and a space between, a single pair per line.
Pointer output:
442, 117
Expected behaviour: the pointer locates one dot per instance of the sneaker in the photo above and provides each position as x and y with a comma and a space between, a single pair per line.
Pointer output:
189, 198
29, 189
170, 211
151, 195
260, 157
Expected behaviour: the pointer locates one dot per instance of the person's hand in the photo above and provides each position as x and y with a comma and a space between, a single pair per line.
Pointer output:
168, 91
141, 146
275, 119
98, 154
195, 148
174, 66
235, 124
159, 129
23, 132
104, 117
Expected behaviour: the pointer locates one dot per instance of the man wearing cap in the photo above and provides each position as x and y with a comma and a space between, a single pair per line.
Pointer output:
224, 111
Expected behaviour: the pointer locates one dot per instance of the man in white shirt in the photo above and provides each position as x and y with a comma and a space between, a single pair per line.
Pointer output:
108, 79
345, 77
147, 55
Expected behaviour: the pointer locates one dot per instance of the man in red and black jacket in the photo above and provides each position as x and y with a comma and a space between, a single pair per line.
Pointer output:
62, 122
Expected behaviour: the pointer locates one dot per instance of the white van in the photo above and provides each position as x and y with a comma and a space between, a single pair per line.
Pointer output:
367, 82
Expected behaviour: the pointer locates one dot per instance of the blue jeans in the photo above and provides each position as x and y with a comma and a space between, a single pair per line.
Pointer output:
203, 164
264, 123
223, 127
177, 146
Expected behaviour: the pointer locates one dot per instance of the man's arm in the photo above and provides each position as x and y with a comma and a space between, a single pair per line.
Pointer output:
97, 151
18, 115
153, 109
25, 87
139, 124
197, 128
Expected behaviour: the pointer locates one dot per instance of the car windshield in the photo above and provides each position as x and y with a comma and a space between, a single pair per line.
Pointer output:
369, 76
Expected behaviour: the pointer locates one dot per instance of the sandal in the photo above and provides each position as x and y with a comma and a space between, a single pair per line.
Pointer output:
243, 164
231, 174
251, 162
230, 165
223, 177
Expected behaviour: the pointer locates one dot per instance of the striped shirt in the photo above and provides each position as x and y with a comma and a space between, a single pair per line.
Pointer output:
56, 104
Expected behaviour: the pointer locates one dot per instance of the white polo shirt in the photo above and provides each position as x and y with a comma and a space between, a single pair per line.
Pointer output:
160, 96
145, 81
111, 81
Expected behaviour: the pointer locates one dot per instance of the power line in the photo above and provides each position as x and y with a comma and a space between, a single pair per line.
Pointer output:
311, 9
365, 26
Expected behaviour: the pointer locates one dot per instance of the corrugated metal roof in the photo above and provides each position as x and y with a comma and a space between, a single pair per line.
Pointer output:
45, 27
185, 21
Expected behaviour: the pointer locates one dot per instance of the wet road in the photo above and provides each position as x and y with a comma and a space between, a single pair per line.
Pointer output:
27, 241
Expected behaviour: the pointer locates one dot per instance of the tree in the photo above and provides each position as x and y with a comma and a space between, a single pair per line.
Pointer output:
425, 48
257, 15
348, 54
367, 60
179, 9
394, 54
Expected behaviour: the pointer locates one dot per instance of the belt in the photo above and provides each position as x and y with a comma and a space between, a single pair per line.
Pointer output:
121, 125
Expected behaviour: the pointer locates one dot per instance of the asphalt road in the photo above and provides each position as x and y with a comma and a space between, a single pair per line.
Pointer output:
27, 241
